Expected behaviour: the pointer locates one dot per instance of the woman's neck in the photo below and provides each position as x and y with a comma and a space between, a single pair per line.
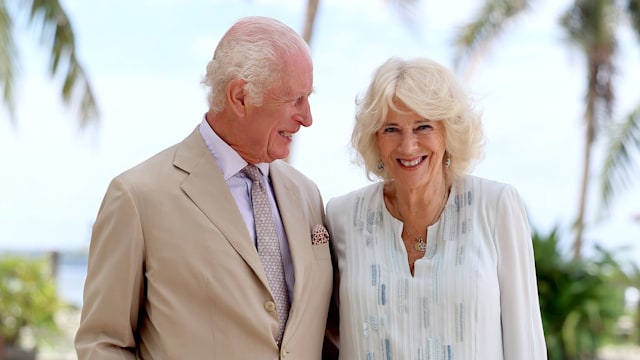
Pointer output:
421, 205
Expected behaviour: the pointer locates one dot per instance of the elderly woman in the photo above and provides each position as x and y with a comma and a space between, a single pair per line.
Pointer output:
433, 263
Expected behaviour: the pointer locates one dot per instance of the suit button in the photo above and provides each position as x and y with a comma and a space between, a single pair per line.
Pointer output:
270, 306
283, 352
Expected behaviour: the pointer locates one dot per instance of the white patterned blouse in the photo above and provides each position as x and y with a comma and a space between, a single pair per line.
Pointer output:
473, 295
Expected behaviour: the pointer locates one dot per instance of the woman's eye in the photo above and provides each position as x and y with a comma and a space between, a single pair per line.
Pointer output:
389, 130
423, 128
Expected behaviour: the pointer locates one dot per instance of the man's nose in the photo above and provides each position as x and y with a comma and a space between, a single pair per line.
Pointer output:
305, 118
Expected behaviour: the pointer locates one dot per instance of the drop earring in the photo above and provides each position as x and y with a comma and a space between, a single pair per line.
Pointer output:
380, 165
447, 162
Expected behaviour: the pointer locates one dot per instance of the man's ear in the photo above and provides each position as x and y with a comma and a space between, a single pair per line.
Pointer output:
236, 96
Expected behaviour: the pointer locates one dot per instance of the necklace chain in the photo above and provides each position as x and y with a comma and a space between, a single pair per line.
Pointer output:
420, 244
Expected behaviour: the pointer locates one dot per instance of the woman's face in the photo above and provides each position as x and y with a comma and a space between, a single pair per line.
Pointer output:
412, 148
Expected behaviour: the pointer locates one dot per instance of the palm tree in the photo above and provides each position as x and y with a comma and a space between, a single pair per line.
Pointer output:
57, 35
591, 26
405, 8
622, 159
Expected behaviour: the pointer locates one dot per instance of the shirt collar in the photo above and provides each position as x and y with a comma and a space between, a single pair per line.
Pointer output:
229, 161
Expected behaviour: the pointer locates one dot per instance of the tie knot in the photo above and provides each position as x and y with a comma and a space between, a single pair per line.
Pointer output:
252, 172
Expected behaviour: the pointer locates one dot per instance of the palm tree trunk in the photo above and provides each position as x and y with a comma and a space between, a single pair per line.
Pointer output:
586, 167
310, 20
307, 33
2, 351
589, 119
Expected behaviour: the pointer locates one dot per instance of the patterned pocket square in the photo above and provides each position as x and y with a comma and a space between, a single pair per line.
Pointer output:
319, 235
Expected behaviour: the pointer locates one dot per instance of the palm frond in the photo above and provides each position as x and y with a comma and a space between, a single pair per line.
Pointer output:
591, 24
7, 59
57, 34
623, 158
633, 8
473, 39
580, 299
407, 11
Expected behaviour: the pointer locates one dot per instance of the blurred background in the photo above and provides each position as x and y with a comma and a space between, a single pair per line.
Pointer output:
91, 88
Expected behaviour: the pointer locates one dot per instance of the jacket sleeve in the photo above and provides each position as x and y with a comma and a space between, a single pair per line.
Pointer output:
522, 334
114, 286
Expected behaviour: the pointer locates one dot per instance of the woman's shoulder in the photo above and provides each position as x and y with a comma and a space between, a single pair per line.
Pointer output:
485, 189
473, 182
365, 192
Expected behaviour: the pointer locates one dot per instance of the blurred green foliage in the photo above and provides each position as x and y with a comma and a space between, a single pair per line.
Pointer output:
580, 300
28, 299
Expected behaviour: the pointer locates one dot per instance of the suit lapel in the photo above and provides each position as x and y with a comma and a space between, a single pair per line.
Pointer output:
206, 187
297, 227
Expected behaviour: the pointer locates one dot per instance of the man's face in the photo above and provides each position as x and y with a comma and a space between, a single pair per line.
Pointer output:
285, 107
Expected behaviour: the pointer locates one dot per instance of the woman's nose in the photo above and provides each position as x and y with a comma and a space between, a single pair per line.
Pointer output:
409, 141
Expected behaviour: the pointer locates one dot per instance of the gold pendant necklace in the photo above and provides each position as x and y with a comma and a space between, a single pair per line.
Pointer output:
420, 245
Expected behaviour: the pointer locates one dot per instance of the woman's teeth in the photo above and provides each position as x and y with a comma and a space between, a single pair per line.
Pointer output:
411, 163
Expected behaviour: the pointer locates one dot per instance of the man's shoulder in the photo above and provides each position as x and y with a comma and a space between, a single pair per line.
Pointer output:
158, 163
283, 167
147, 167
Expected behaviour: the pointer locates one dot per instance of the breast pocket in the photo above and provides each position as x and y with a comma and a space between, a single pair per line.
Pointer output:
321, 251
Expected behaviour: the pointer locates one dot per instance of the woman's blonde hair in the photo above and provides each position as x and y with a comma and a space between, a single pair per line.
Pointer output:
431, 91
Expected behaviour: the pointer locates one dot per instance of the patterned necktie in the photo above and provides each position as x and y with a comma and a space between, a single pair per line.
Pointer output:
269, 246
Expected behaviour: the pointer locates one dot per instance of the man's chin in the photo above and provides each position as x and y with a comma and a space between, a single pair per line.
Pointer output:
274, 154
282, 155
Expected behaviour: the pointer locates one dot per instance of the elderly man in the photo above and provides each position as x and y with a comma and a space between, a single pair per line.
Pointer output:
214, 248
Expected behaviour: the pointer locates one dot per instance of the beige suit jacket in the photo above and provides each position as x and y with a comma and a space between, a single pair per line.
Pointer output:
173, 272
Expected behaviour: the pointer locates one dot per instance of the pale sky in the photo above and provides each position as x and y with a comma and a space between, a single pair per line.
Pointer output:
146, 59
